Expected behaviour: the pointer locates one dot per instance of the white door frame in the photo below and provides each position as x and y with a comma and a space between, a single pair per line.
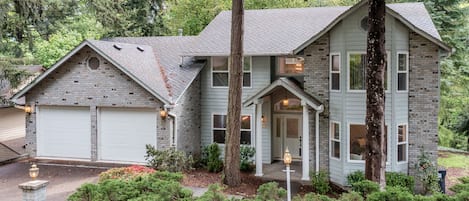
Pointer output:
295, 150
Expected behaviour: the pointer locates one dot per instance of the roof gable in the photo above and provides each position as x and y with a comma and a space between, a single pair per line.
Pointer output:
140, 67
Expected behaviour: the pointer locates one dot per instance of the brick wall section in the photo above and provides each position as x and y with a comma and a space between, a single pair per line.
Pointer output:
424, 95
74, 84
188, 120
316, 83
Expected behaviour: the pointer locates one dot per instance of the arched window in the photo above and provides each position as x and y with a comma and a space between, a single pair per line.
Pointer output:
288, 105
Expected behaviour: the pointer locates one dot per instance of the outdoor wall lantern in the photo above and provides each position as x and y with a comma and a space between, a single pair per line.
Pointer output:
163, 113
33, 171
264, 121
28, 109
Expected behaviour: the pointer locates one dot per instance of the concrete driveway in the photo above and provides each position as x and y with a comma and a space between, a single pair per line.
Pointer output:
64, 179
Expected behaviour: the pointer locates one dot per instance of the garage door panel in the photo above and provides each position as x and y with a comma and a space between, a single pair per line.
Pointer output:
123, 133
64, 132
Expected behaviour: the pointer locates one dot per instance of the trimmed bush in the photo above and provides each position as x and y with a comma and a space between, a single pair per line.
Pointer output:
365, 187
355, 177
400, 179
214, 193
312, 197
170, 159
462, 187
270, 191
211, 158
391, 194
125, 173
351, 196
320, 182
247, 152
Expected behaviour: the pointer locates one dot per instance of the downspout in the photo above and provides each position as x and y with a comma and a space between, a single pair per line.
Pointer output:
316, 125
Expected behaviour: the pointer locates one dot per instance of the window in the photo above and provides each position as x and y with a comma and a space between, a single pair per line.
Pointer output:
358, 141
220, 73
219, 129
402, 71
290, 65
357, 72
335, 72
335, 140
401, 143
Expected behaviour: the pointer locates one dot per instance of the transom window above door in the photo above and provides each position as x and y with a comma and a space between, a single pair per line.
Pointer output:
220, 71
288, 105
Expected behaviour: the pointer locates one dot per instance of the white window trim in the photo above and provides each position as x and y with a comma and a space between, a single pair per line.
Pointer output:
250, 130
364, 91
348, 144
331, 71
406, 142
224, 114
228, 72
398, 71
331, 139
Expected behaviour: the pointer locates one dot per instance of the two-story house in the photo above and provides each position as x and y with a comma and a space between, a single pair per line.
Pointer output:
303, 88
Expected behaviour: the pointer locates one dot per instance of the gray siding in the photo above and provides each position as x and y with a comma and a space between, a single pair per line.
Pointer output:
215, 100
350, 107
74, 84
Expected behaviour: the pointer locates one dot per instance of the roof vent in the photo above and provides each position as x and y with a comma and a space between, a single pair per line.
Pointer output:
140, 49
118, 47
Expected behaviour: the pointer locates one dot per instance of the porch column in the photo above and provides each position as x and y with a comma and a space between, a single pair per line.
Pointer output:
258, 118
305, 142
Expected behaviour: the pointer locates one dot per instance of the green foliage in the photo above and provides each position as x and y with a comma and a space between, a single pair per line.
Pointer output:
355, 177
365, 187
461, 187
170, 159
312, 197
211, 158
391, 194
125, 173
247, 152
320, 182
139, 188
351, 196
427, 173
270, 191
400, 179
214, 193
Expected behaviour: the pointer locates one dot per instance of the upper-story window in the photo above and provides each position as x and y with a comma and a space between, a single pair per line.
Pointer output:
220, 73
357, 72
335, 72
402, 71
290, 66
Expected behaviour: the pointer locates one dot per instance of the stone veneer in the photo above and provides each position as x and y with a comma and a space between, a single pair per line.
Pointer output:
316, 83
424, 95
188, 120
74, 84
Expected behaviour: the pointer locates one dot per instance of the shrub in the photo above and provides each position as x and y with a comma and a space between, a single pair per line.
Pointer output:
355, 177
365, 187
211, 158
320, 182
125, 173
270, 191
400, 179
214, 193
427, 173
246, 153
170, 159
350, 196
391, 194
312, 197
155, 186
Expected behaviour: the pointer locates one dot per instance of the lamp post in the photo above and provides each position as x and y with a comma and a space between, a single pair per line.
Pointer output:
287, 161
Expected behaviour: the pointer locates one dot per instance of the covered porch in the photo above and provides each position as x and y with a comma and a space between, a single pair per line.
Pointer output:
282, 114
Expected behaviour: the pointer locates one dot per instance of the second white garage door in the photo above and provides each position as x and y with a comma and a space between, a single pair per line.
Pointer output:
123, 133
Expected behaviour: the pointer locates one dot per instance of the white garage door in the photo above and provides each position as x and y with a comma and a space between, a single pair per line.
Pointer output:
123, 133
63, 132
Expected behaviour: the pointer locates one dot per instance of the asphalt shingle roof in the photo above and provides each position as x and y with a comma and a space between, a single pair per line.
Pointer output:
281, 31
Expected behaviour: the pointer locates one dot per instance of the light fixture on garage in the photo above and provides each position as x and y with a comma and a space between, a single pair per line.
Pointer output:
28, 109
33, 171
163, 113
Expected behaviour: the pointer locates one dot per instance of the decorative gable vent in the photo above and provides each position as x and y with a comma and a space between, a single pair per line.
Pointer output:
93, 63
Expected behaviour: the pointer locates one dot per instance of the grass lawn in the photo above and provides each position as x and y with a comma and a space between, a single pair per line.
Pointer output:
453, 160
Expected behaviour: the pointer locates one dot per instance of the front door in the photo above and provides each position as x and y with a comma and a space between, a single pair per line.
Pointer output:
287, 133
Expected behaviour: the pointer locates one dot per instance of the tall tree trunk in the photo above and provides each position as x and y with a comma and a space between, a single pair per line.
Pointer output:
375, 68
233, 131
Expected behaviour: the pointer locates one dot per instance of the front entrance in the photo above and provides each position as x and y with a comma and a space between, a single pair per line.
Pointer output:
287, 133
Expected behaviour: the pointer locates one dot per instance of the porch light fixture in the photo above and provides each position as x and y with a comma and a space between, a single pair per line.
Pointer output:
264, 121
163, 113
33, 171
28, 109
287, 157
